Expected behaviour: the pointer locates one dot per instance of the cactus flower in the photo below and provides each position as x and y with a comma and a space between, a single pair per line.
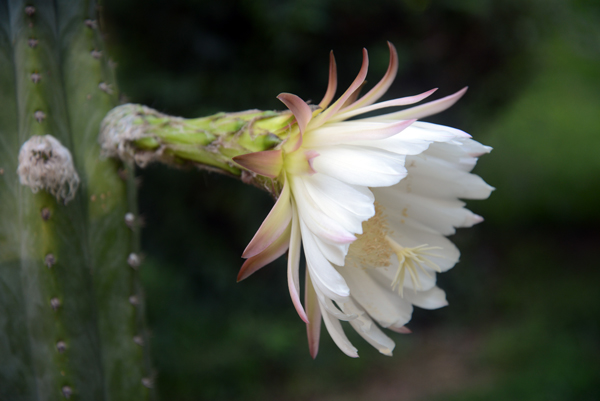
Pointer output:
371, 201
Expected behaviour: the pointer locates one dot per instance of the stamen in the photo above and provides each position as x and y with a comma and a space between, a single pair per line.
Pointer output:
370, 248
409, 259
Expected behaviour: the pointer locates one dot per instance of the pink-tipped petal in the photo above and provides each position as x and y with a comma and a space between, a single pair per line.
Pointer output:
354, 96
424, 110
335, 107
274, 225
267, 163
310, 156
337, 137
403, 101
332, 85
383, 85
313, 327
293, 267
292, 143
301, 110
272, 252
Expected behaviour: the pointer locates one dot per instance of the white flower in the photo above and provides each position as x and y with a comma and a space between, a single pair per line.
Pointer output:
371, 201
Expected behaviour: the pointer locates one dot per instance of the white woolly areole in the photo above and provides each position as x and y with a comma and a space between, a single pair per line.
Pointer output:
119, 130
44, 163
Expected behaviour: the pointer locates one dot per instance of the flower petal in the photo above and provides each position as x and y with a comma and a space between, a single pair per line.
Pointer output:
379, 299
323, 274
424, 110
403, 101
341, 202
326, 228
360, 166
337, 334
348, 132
332, 85
368, 330
293, 266
299, 108
272, 252
383, 85
313, 311
273, 226
435, 298
267, 163
335, 107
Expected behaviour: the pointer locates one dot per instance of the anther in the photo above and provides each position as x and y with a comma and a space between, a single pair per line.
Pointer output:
91, 23
55, 303
147, 382
67, 392
49, 260
39, 116
35, 77
138, 340
96, 54
133, 300
46, 214
61, 346
133, 260
32, 43
129, 219
105, 88
29, 10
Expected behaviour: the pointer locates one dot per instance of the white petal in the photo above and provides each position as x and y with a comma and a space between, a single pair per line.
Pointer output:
337, 333
322, 273
293, 265
433, 299
316, 220
411, 141
370, 332
342, 202
379, 299
360, 166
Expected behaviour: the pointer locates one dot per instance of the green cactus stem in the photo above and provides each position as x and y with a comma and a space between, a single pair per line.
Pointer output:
71, 306
139, 134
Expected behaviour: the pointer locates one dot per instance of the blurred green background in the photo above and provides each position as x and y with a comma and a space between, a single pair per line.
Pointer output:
524, 315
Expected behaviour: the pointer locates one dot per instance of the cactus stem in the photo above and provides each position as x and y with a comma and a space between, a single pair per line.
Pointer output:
35, 77
134, 260
61, 347
67, 392
39, 116
50, 260
55, 303
133, 300
138, 340
29, 10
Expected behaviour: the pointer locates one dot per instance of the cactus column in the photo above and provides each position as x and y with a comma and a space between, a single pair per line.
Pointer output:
71, 318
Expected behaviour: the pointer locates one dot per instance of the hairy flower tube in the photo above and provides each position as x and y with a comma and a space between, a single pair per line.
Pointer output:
371, 201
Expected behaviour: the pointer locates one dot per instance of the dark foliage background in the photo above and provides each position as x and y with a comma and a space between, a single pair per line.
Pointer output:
524, 315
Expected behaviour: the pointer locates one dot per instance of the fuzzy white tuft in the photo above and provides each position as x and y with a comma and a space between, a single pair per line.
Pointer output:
120, 129
44, 163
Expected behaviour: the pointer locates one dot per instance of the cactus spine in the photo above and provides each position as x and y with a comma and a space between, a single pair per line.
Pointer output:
71, 318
